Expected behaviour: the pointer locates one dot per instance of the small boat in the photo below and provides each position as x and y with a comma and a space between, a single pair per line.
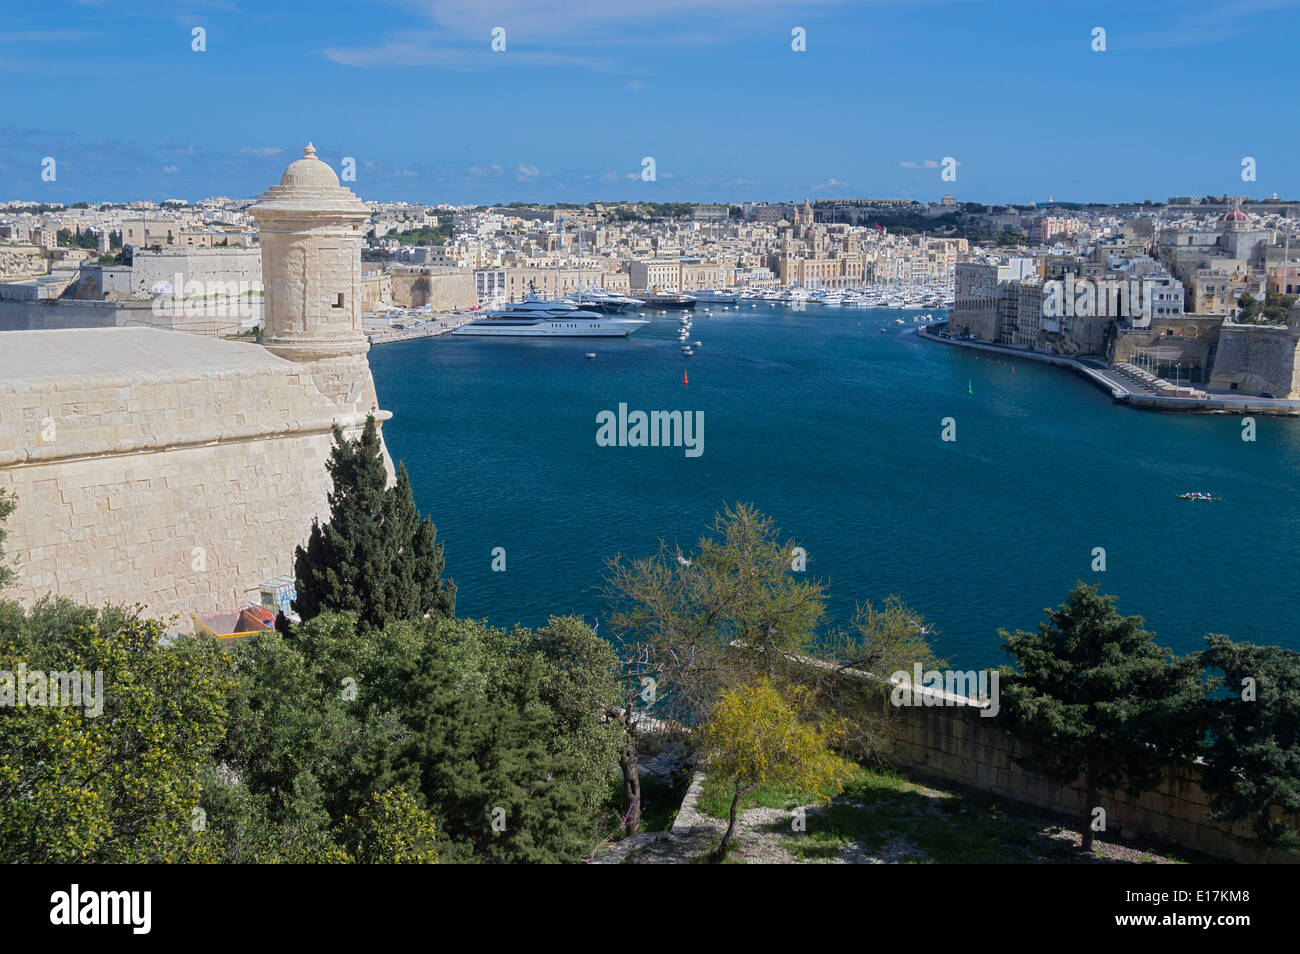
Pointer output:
688, 353
1197, 495
696, 344
589, 355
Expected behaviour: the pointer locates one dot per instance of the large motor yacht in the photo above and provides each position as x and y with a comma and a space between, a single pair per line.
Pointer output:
535, 317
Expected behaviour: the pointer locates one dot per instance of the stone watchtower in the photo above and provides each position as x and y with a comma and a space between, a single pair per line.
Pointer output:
311, 233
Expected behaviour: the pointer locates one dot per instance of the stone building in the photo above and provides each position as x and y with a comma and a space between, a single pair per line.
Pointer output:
179, 471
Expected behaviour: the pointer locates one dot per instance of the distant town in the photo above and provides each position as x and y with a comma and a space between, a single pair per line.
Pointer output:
1186, 295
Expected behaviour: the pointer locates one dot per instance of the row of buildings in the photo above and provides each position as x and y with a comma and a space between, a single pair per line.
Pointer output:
1179, 291
1179, 270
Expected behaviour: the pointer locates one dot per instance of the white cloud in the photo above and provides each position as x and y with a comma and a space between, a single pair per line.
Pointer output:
528, 173
170, 168
429, 49
261, 151
829, 183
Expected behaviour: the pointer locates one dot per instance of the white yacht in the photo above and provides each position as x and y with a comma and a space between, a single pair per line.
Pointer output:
534, 317
597, 299
719, 296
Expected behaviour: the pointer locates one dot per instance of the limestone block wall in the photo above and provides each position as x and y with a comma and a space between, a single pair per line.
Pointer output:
954, 743
1256, 359
448, 292
376, 291
22, 261
983, 324
220, 318
180, 491
217, 265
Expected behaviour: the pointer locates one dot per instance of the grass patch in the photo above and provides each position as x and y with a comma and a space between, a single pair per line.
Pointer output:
715, 799
883, 814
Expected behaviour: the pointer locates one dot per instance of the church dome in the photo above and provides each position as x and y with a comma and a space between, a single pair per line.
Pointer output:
309, 172
1236, 215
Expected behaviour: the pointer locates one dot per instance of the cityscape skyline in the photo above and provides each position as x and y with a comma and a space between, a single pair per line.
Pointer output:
355, 502
714, 92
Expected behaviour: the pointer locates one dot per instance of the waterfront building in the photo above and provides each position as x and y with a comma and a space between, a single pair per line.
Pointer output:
662, 273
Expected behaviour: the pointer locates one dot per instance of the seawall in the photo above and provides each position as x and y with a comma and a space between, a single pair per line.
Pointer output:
1210, 405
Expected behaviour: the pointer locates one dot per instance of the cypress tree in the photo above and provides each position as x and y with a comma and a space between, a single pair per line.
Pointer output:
376, 556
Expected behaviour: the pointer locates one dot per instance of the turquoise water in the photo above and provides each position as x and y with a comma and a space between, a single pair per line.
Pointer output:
833, 428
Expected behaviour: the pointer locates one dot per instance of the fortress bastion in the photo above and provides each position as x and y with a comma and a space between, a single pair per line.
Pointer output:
178, 471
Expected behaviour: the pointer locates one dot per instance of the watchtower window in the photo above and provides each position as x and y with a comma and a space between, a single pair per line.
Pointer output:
338, 302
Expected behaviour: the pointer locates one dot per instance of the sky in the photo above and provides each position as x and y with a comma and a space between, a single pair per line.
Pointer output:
713, 91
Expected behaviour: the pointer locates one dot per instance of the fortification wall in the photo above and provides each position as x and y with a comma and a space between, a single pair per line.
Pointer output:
1256, 359
449, 292
214, 318
22, 261
984, 324
376, 291
181, 491
955, 743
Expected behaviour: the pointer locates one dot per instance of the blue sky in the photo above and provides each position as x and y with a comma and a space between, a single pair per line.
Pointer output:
710, 88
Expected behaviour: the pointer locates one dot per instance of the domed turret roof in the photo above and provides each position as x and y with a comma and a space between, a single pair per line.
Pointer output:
309, 172
309, 185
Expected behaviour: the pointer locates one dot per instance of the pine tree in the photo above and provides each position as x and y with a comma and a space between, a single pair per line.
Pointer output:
375, 557
1253, 756
1099, 699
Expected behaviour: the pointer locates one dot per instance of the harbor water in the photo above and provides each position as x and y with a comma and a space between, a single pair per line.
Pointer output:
834, 428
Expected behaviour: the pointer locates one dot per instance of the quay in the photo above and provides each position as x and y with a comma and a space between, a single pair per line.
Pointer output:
431, 328
1121, 388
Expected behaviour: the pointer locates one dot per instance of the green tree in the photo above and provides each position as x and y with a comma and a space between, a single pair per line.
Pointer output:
755, 736
1099, 699
8, 504
690, 627
1253, 754
375, 557
395, 830
118, 785
737, 608
881, 640
465, 718
1249, 308
482, 749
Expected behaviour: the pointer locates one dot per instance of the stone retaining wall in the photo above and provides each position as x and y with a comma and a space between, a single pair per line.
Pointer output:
22, 261
955, 743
